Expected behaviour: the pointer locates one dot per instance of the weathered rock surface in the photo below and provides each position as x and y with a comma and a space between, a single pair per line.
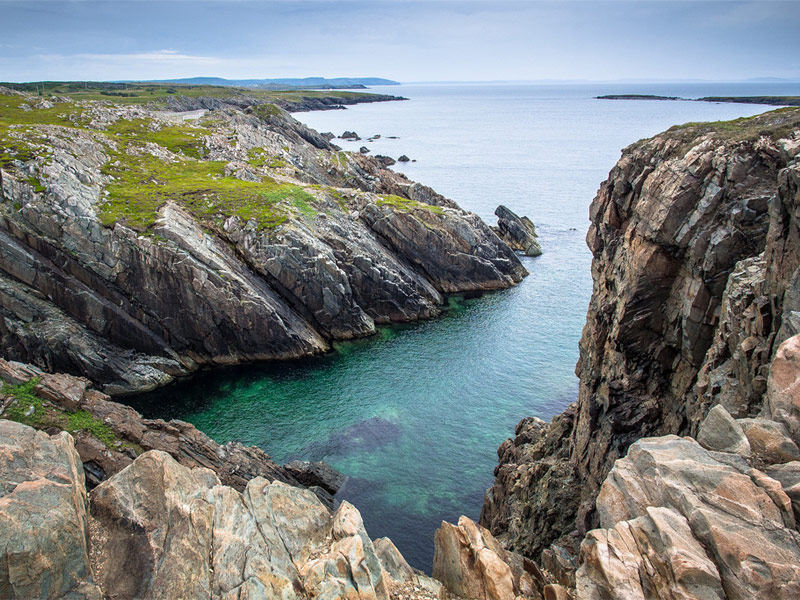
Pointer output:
722, 433
682, 522
518, 232
695, 245
43, 522
158, 529
132, 306
472, 564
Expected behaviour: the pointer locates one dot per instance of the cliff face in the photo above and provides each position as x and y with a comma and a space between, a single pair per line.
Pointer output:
136, 246
694, 237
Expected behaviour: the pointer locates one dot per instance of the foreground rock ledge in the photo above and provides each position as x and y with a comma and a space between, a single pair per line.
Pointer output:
160, 530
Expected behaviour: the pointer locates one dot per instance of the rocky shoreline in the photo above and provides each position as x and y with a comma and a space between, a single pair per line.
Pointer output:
136, 247
694, 306
767, 100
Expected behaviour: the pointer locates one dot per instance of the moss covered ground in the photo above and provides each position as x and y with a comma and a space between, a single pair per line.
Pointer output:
142, 178
29, 408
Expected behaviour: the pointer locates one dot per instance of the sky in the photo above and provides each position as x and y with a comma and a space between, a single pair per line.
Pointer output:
405, 40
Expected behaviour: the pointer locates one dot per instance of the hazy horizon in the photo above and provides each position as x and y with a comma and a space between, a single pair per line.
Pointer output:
404, 40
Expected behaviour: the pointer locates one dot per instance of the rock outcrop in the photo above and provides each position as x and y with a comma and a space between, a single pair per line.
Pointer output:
473, 565
682, 521
136, 247
695, 245
43, 517
518, 232
158, 529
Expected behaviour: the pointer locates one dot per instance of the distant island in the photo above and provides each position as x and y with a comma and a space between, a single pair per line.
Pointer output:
636, 97
771, 100
282, 83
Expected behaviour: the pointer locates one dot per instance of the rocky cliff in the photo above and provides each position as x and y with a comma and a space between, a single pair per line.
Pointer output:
136, 245
694, 238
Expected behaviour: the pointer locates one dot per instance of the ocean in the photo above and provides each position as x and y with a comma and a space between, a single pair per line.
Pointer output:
414, 415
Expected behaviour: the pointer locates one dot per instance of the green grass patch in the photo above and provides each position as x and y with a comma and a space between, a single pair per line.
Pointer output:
82, 420
38, 187
28, 408
406, 205
774, 125
179, 139
145, 183
259, 157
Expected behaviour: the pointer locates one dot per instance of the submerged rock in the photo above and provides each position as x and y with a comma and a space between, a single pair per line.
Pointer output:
518, 232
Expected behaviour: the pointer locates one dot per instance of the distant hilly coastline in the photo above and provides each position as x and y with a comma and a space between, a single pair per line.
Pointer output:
283, 83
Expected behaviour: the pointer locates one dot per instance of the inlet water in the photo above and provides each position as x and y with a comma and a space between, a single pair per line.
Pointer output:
414, 415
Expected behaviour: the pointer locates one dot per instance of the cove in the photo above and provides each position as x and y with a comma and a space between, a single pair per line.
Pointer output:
414, 415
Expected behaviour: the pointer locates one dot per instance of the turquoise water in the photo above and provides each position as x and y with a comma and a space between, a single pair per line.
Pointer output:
414, 415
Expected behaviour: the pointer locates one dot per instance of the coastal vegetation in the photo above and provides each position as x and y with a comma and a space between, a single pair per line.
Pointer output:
27, 407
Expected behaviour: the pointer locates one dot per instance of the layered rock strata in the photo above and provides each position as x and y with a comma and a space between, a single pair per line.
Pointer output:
136, 246
694, 238
518, 232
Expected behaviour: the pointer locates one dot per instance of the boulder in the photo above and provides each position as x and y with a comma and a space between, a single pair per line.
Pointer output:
518, 232
403, 158
472, 564
769, 441
364, 150
161, 530
678, 517
720, 431
44, 545
783, 388
653, 556
385, 161
392, 561
350, 135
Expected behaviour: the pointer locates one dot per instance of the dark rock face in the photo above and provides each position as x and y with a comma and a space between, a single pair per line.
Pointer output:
131, 310
385, 161
518, 232
684, 315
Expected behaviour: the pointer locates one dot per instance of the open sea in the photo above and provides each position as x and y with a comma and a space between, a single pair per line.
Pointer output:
414, 415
